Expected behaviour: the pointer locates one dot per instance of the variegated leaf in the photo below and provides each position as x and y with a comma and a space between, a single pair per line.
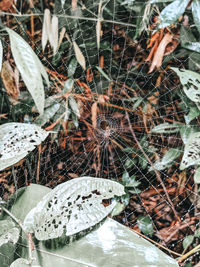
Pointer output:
191, 83
72, 207
191, 154
17, 140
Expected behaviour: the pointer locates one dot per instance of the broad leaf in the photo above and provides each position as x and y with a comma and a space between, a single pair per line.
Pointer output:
172, 12
8, 232
166, 128
167, 160
188, 241
196, 13
191, 83
191, 152
145, 225
72, 207
17, 140
9, 235
48, 114
105, 246
30, 68
20, 262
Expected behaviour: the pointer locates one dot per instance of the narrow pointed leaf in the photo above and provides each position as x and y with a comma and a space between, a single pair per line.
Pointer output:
17, 140
29, 67
79, 55
72, 207
54, 34
46, 27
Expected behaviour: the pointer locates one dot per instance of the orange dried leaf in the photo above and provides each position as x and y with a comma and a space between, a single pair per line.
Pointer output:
79, 55
158, 56
9, 79
94, 114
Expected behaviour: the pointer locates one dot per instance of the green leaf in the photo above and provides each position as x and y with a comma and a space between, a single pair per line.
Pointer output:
172, 12
191, 154
9, 235
193, 113
30, 68
72, 67
166, 128
185, 132
167, 160
119, 207
145, 225
74, 106
68, 86
197, 176
196, 13
160, 1
20, 262
197, 233
17, 140
47, 115
103, 73
73, 212
8, 232
111, 237
191, 83
188, 241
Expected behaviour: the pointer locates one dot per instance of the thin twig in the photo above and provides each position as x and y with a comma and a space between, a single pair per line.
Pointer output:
156, 172
188, 254
68, 16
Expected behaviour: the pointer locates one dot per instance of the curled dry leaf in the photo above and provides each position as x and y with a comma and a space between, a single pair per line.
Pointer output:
94, 114
46, 27
10, 80
53, 37
50, 31
158, 56
79, 55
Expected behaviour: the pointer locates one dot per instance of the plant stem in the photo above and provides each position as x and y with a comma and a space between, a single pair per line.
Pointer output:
68, 16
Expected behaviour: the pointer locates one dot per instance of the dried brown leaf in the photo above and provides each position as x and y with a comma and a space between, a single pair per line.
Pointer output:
9, 78
46, 28
158, 56
94, 114
53, 35
79, 55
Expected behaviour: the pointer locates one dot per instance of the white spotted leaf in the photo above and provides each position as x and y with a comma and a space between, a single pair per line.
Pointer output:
191, 154
17, 140
71, 207
30, 68
191, 83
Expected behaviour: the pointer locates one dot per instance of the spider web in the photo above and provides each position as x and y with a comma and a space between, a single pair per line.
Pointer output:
130, 104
